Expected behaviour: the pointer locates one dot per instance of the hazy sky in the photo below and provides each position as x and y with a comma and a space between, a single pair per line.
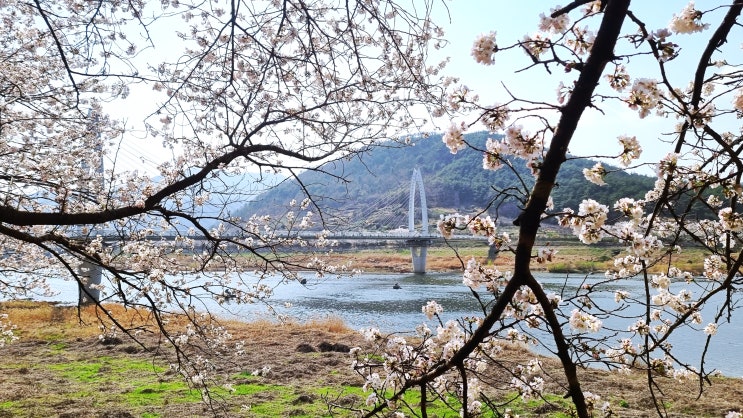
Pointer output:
511, 20
596, 133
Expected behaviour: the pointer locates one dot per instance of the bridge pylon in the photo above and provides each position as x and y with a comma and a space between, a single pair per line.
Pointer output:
420, 240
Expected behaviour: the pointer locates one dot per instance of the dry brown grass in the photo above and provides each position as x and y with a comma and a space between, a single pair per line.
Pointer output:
50, 320
276, 345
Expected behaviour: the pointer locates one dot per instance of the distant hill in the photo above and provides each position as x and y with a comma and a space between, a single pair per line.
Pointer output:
377, 185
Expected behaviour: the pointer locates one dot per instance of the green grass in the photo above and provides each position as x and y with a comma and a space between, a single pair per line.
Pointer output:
134, 386
7, 405
158, 393
58, 347
103, 369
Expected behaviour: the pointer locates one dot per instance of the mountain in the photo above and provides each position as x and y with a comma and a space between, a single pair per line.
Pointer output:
375, 187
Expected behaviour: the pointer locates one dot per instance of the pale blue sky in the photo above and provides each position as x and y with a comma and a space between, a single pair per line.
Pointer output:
597, 133
512, 20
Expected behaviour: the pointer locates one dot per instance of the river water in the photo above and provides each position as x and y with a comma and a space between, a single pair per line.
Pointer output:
370, 300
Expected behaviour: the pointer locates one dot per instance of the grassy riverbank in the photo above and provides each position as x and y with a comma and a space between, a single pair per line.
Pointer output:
59, 367
572, 257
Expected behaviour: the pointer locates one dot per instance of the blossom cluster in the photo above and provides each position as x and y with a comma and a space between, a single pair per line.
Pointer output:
6, 331
403, 360
476, 275
454, 139
688, 21
478, 226
631, 150
555, 25
484, 48
528, 380
584, 322
644, 96
595, 174
588, 222
730, 221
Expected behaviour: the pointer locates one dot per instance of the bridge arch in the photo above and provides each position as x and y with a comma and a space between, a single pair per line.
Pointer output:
416, 182
419, 240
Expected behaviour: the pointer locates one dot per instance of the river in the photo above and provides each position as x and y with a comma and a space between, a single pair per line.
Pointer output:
370, 300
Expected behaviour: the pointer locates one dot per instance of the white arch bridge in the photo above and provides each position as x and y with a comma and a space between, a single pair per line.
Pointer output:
416, 236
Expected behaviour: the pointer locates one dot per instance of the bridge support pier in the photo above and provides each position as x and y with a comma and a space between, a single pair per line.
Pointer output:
419, 250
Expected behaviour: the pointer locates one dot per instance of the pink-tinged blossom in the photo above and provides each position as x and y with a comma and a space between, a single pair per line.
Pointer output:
668, 164
461, 96
491, 158
702, 117
484, 48
445, 226
557, 24
482, 226
730, 221
688, 21
620, 295
714, 201
631, 208
714, 268
475, 275
666, 50
563, 92
645, 247
592, 7
738, 100
625, 267
545, 255
583, 322
640, 327
710, 329
619, 80
660, 281
631, 150
535, 45
595, 174
432, 308
644, 96
581, 41
454, 139
588, 222
495, 118
522, 144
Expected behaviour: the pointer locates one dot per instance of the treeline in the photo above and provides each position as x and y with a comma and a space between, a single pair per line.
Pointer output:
376, 184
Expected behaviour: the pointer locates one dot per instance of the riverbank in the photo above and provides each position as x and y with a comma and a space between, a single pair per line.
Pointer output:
570, 257
60, 367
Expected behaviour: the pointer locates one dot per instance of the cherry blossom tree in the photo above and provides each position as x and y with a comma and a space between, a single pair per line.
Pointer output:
597, 46
226, 88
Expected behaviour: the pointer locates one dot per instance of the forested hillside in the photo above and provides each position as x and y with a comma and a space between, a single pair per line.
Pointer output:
378, 184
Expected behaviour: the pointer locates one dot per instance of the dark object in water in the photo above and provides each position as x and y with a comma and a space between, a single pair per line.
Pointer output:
396, 286
303, 281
